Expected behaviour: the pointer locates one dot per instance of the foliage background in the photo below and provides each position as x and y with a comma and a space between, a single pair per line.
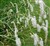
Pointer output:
7, 36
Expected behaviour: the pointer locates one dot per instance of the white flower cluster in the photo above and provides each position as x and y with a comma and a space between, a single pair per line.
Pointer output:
18, 41
44, 25
37, 39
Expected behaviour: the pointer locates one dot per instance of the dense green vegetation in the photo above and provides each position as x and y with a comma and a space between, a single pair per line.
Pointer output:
7, 29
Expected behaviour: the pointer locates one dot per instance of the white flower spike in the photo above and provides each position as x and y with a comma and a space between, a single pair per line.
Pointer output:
34, 22
39, 28
18, 41
30, 6
41, 42
46, 32
36, 39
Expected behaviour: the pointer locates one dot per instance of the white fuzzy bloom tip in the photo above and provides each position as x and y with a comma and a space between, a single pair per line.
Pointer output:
34, 23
